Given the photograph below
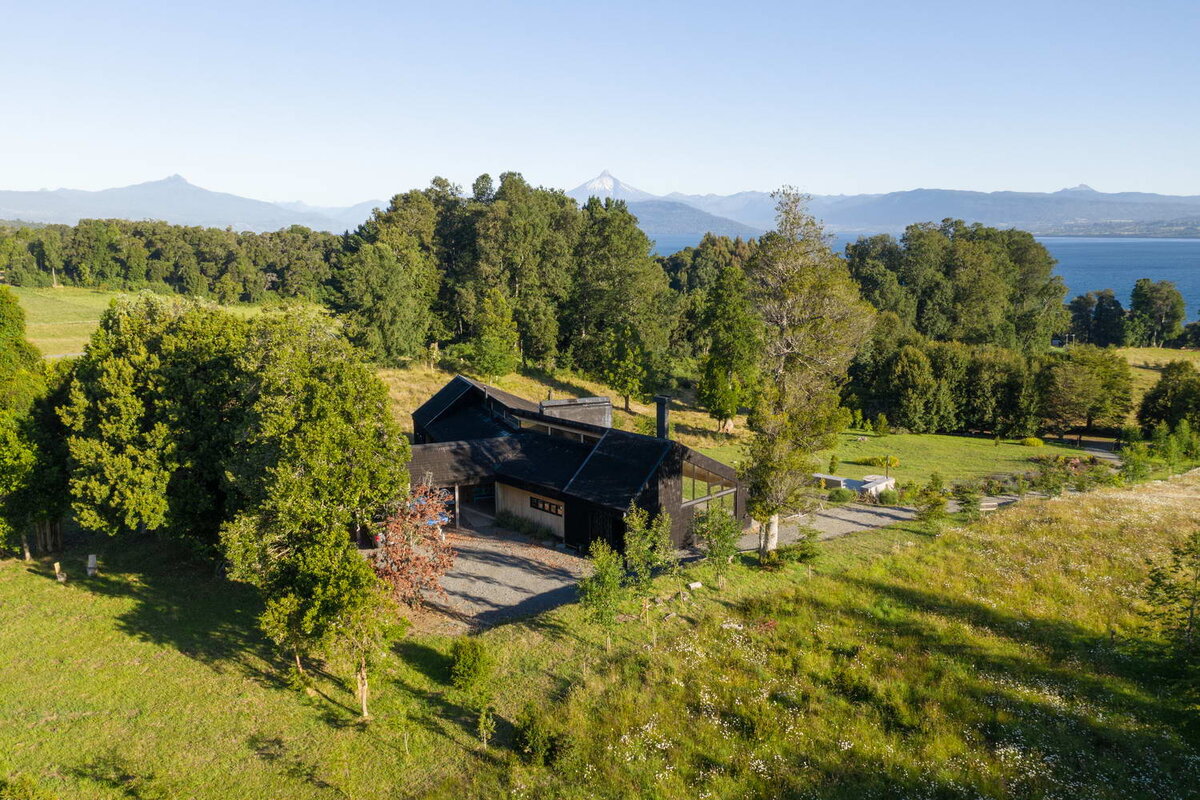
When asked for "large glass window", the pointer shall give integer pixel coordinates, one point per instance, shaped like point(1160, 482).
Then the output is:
point(700, 484)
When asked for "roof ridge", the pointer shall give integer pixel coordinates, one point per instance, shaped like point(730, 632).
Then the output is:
point(595, 447)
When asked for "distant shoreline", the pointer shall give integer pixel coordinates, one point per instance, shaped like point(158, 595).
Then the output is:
point(1184, 237)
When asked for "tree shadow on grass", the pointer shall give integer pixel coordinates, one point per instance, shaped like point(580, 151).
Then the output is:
point(114, 772)
point(1092, 665)
point(1066, 695)
point(556, 382)
point(176, 600)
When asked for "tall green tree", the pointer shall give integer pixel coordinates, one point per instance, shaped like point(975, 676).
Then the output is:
point(150, 414)
point(813, 322)
point(386, 292)
point(493, 351)
point(915, 387)
point(618, 286)
point(1157, 312)
point(320, 460)
point(731, 366)
point(1174, 397)
point(623, 363)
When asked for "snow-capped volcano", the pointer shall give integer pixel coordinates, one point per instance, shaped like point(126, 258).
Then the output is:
point(607, 185)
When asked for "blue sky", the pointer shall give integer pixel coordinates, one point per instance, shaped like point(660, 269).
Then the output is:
point(333, 103)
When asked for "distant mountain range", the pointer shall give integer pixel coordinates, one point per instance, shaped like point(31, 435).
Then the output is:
point(1080, 210)
point(171, 199)
point(1073, 210)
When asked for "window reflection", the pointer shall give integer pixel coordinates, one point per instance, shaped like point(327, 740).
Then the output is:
point(702, 486)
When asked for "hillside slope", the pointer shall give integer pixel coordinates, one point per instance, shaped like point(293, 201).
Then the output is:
point(995, 661)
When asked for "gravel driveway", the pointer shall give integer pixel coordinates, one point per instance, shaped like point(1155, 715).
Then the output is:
point(498, 576)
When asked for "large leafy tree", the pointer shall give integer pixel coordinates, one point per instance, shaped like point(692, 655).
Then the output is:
point(731, 365)
point(320, 456)
point(1174, 397)
point(151, 413)
point(813, 322)
point(623, 360)
point(20, 361)
point(493, 348)
point(915, 388)
point(385, 293)
point(963, 282)
point(1089, 385)
point(1156, 312)
point(618, 287)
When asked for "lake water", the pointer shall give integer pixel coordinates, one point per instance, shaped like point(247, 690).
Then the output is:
point(1088, 264)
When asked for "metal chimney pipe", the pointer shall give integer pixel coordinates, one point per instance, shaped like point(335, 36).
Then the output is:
point(664, 416)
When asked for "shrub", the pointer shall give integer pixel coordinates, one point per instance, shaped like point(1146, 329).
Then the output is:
point(525, 527)
point(889, 497)
point(884, 461)
point(994, 486)
point(881, 425)
point(471, 663)
point(535, 738)
point(1031, 441)
point(798, 552)
point(841, 495)
point(968, 498)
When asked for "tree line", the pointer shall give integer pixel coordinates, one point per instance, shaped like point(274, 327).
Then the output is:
point(928, 386)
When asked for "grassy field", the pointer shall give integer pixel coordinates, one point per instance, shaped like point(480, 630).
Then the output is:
point(1147, 363)
point(60, 321)
point(999, 660)
point(920, 454)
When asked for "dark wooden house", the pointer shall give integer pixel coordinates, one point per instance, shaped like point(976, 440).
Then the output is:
point(561, 464)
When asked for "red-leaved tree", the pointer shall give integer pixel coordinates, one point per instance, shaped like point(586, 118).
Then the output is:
point(413, 552)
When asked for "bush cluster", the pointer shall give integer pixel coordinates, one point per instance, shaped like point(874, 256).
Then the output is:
point(889, 497)
point(1031, 441)
point(800, 551)
point(537, 739)
point(841, 495)
point(884, 461)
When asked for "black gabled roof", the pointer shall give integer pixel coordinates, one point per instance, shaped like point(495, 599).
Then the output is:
point(508, 399)
point(437, 405)
point(544, 460)
point(531, 458)
point(616, 471)
point(466, 422)
point(460, 462)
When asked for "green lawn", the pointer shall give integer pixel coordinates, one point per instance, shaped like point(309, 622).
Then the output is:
point(60, 321)
point(997, 661)
point(920, 454)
